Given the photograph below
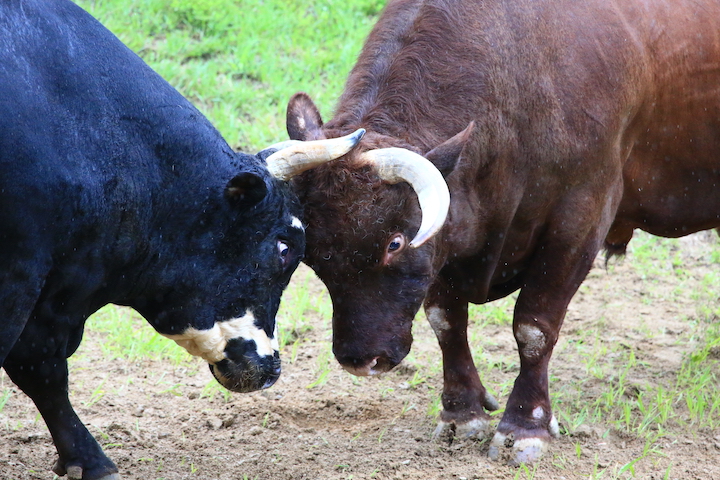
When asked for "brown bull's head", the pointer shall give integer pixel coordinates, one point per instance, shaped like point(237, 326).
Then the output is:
point(372, 219)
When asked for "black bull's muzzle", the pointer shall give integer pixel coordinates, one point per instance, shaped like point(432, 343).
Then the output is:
point(247, 373)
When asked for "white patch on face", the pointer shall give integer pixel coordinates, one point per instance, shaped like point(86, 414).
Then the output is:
point(274, 344)
point(438, 320)
point(210, 344)
point(538, 413)
point(297, 223)
point(532, 338)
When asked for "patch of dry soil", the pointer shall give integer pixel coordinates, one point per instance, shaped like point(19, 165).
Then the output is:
point(156, 420)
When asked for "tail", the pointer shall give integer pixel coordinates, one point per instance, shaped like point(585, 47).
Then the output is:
point(614, 250)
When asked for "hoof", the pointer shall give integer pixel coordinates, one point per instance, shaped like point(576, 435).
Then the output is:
point(441, 429)
point(475, 428)
point(75, 472)
point(554, 427)
point(523, 451)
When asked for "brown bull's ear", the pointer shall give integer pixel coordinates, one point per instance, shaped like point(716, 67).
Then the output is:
point(303, 118)
point(446, 155)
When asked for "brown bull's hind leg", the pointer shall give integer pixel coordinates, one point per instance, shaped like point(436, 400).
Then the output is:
point(464, 397)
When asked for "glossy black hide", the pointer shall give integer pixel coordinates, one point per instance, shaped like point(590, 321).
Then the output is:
point(115, 189)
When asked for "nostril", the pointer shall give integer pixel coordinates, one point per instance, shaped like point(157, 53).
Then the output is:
point(382, 364)
point(362, 368)
point(269, 382)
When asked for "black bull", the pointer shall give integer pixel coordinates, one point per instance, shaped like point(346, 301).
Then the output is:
point(115, 189)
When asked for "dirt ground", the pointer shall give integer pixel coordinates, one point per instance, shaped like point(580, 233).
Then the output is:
point(158, 421)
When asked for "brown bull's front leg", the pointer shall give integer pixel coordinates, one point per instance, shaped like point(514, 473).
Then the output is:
point(528, 423)
point(464, 397)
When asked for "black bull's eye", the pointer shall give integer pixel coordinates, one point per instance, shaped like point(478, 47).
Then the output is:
point(283, 250)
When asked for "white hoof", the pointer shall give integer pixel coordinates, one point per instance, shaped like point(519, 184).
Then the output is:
point(496, 444)
point(475, 428)
point(441, 428)
point(525, 451)
point(554, 428)
point(74, 472)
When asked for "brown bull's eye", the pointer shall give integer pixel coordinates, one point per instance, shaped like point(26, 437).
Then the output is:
point(395, 245)
point(397, 242)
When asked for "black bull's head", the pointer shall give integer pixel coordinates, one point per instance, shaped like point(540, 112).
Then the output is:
point(242, 346)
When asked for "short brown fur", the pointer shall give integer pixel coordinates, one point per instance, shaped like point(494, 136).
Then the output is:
point(590, 118)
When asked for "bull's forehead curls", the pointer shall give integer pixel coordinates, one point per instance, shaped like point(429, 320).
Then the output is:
point(395, 165)
point(210, 344)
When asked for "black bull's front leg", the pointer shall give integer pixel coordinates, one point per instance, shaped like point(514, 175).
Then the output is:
point(528, 422)
point(45, 381)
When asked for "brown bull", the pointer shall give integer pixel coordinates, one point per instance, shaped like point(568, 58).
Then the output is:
point(556, 125)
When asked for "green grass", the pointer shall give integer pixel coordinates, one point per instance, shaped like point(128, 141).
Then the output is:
point(240, 61)
point(301, 311)
point(4, 397)
point(126, 335)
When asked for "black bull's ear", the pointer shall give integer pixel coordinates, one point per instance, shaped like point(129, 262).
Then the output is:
point(246, 190)
point(446, 155)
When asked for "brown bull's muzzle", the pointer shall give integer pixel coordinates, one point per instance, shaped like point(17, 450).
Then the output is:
point(362, 368)
point(365, 361)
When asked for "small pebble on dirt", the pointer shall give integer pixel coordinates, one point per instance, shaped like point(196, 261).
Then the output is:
point(214, 423)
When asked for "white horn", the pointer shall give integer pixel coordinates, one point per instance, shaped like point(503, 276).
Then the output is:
point(295, 157)
point(396, 165)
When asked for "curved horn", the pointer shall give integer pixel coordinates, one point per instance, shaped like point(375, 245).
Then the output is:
point(396, 165)
point(296, 157)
